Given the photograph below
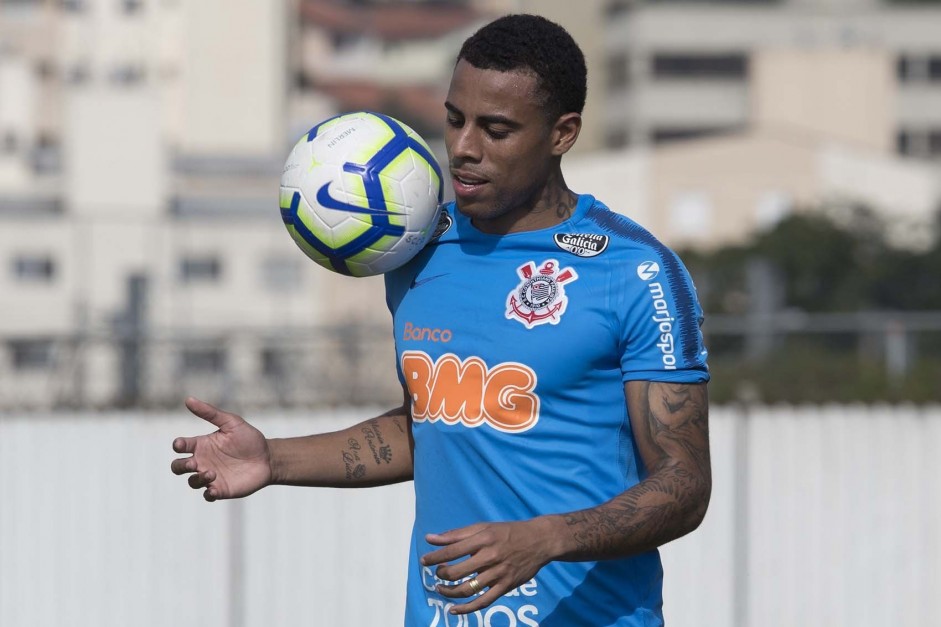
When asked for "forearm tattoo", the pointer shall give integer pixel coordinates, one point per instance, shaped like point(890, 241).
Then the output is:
point(381, 451)
point(355, 469)
point(373, 445)
point(673, 435)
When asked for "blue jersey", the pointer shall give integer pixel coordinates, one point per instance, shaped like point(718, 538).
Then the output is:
point(515, 350)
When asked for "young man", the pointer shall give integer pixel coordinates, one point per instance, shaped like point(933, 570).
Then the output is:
point(556, 425)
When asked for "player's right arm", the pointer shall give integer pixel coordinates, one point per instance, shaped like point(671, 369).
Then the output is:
point(238, 460)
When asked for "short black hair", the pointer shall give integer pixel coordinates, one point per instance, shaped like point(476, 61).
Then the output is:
point(532, 43)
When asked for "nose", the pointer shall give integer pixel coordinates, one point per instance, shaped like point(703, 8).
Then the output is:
point(463, 144)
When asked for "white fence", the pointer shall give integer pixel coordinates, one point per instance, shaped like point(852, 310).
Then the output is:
point(820, 516)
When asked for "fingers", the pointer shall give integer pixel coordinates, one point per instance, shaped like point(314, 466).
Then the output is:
point(200, 480)
point(183, 465)
point(480, 602)
point(211, 413)
point(453, 543)
point(184, 445)
point(455, 535)
point(478, 587)
point(470, 587)
point(197, 480)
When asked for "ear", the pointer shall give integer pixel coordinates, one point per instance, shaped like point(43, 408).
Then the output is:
point(564, 132)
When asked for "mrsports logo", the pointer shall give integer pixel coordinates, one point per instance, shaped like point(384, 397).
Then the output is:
point(662, 317)
point(648, 270)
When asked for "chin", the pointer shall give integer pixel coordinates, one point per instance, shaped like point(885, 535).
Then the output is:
point(478, 209)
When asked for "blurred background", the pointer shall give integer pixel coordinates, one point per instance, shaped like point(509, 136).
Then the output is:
point(790, 150)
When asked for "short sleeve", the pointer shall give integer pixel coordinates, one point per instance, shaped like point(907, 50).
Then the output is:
point(660, 321)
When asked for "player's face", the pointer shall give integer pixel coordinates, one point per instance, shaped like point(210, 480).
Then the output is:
point(502, 150)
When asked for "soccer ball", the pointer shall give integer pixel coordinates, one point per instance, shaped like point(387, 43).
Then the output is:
point(361, 193)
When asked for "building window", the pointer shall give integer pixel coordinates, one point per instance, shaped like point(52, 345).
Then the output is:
point(45, 69)
point(615, 8)
point(131, 7)
point(677, 133)
point(734, 1)
point(10, 142)
point(619, 71)
point(31, 354)
point(274, 362)
point(129, 74)
point(47, 155)
point(78, 74)
point(200, 270)
point(923, 143)
point(34, 269)
point(280, 274)
point(700, 66)
point(203, 360)
point(617, 138)
point(912, 68)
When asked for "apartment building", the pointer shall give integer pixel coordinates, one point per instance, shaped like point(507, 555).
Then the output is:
point(141, 252)
point(685, 69)
point(142, 146)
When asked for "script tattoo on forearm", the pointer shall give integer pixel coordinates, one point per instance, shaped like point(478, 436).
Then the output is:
point(355, 469)
point(381, 451)
point(672, 499)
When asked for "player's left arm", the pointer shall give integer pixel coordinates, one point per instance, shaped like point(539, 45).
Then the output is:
point(670, 426)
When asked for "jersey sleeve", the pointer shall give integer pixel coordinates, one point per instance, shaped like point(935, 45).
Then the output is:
point(659, 321)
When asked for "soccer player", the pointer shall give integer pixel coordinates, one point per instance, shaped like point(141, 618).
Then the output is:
point(555, 414)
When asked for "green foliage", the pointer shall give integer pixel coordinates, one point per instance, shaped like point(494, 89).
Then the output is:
point(824, 261)
point(806, 371)
point(827, 263)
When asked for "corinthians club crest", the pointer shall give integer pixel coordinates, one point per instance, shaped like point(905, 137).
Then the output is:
point(540, 296)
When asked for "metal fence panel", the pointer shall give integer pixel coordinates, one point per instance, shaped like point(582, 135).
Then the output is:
point(821, 516)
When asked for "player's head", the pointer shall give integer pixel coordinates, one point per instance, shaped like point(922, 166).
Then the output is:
point(514, 108)
point(530, 43)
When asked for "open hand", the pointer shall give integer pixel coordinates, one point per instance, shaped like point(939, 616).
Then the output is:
point(229, 463)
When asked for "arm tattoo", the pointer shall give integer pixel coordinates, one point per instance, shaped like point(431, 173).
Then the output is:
point(381, 451)
point(671, 431)
point(355, 469)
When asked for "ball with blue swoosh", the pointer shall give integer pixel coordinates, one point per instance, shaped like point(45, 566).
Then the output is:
point(361, 193)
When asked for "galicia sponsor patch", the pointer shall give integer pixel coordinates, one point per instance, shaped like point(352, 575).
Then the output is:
point(539, 298)
point(444, 223)
point(582, 244)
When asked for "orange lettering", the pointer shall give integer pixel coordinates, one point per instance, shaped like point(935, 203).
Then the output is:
point(469, 392)
point(458, 390)
point(509, 400)
point(417, 368)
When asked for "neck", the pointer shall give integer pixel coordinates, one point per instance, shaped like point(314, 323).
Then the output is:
point(553, 203)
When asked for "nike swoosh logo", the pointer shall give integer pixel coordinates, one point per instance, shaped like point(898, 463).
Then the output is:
point(416, 282)
point(326, 200)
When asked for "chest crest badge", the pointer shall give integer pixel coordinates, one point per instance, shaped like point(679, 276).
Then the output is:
point(539, 298)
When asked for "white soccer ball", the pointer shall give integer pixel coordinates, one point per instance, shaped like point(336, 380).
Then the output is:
point(360, 193)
